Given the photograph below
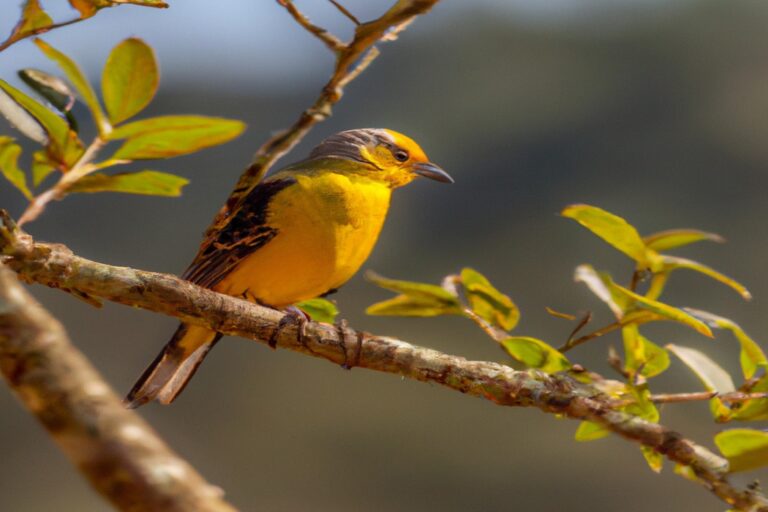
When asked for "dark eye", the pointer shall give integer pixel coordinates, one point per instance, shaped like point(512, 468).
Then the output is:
point(401, 156)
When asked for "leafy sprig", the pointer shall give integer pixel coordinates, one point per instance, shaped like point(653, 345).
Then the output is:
point(129, 82)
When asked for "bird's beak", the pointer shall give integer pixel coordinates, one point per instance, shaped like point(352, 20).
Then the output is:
point(431, 171)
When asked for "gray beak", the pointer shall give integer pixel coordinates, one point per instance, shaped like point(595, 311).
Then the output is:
point(431, 171)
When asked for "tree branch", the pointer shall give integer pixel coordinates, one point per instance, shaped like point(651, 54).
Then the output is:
point(56, 266)
point(122, 457)
point(366, 36)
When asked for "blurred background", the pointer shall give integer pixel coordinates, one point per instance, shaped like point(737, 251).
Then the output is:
point(655, 110)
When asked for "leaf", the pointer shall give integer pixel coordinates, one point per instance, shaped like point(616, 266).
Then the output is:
point(590, 431)
point(666, 311)
point(41, 167)
point(744, 448)
point(488, 302)
point(50, 87)
point(129, 80)
point(79, 81)
point(9, 156)
point(673, 262)
point(535, 353)
point(708, 371)
point(643, 354)
point(319, 309)
point(601, 285)
point(33, 18)
point(88, 8)
point(752, 356)
point(417, 299)
point(674, 238)
point(654, 459)
point(611, 228)
point(559, 314)
point(22, 120)
point(63, 142)
point(152, 183)
point(169, 136)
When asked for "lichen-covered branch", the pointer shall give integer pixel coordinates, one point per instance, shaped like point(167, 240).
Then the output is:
point(122, 457)
point(58, 267)
point(351, 59)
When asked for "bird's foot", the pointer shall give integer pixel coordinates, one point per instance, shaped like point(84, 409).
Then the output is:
point(351, 342)
point(293, 315)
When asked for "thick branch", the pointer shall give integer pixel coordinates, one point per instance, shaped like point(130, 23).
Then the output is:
point(359, 49)
point(57, 266)
point(113, 447)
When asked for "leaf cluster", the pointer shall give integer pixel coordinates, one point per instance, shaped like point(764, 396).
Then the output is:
point(471, 295)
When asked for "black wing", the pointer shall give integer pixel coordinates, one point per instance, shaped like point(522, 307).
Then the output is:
point(245, 233)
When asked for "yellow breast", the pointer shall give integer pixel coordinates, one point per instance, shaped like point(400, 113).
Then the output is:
point(327, 224)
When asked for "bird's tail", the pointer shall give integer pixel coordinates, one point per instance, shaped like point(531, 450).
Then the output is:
point(170, 372)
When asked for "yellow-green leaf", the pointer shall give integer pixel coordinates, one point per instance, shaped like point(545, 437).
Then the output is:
point(129, 80)
point(78, 80)
point(404, 305)
point(33, 18)
point(488, 302)
point(9, 157)
point(642, 354)
point(673, 262)
point(642, 407)
point(535, 353)
point(151, 183)
point(319, 309)
point(654, 459)
point(63, 142)
point(666, 311)
point(744, 448)
point(674, 238)
point(711, 374)
point(601, 284)
point(88, 8)
point(41, 167)
point(590, 431)
point(169, 136)
point(22, 120)
point(752, 356)
point(414, 289)
point(611, 228)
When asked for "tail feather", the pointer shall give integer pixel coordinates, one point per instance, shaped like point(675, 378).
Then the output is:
point(167, 376)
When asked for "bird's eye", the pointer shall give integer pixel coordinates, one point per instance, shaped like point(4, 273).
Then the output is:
point(401, 156)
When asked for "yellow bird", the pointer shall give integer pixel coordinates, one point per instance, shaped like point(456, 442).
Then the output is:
point(300, 234)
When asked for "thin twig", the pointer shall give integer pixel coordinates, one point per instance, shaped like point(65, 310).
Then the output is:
point(571, 343)
point(331, 41)
point(57, 266)
point(734, 396)
point(119, 453)
point(345, 12)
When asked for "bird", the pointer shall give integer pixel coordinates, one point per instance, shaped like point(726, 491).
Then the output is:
point(300, 233)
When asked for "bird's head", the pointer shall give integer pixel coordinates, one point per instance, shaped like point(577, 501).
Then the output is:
point(381, 154)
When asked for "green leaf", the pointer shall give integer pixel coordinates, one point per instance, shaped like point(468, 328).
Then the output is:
point(666, 311)
point(9, 156)
point(535, 353)
point(590, 431)
point(414, 289)
point(169, 136)
point(752, 356)
point(22, 120)
point(674, 238)
point(63, 142)
point(711, 374)
point(79, 81)
point(33, 18)
point(417, 299)
point(50, 87)
point(151, 183)
point(755, 409)
point(643, 354)
point(654, 459)
point(673, 262)
point(319, 309)
point(129, 80)
point(488, 302)
point(744, 448)
point(611, 228)
point(601, 284)
point(642, 407)
point(41, 167)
